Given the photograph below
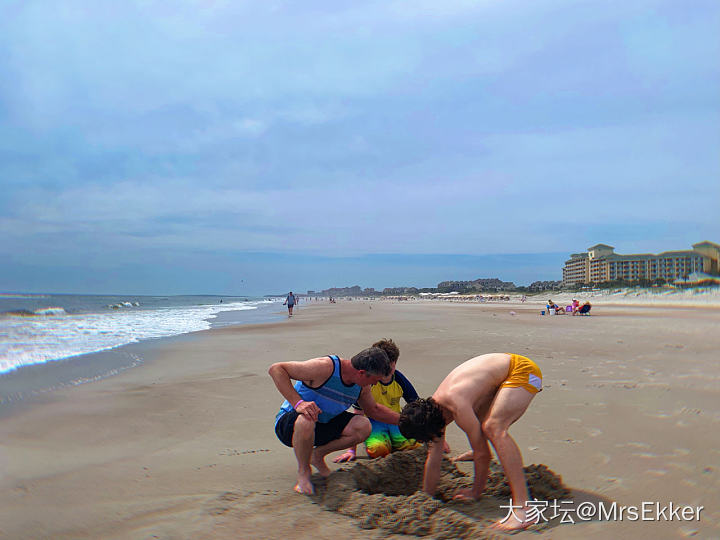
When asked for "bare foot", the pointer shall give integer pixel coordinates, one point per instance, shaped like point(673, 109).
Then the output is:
point(304, 486)
point(319, 464)
point(467, 456)
point(465, 494)
point(515, 522)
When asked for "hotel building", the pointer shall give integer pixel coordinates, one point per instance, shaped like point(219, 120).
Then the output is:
point(600, 263)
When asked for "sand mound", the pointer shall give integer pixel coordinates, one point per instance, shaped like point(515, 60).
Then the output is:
point(384, 493)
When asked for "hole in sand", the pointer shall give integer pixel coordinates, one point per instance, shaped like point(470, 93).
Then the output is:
point(385, 494)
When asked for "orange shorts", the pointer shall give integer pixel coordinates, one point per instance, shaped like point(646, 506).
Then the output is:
point(523, 373)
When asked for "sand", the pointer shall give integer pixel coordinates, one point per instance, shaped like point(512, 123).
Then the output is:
point(183, 446)
point(386, 494)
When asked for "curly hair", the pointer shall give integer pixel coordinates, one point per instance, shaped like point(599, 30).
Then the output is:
point(388, 345)
point(422, 420)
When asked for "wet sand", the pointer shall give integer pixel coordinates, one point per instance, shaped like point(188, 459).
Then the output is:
point(183, 446)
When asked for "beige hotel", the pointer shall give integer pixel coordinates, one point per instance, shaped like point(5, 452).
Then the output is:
point(601, 263)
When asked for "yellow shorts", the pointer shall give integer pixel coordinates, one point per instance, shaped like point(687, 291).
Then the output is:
point(523, 373)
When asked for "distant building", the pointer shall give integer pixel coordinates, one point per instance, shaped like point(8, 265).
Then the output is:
point(481, 284)
point(601, 264)
point(544, 286)
point(400, 291)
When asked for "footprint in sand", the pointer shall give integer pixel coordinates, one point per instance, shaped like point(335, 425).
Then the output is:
point(684, 467)
point(635, 444)
point(593, 432)
point(656, 472)
point(604, 459)
point(613, 481)
point(645, 455)
point(688, 410)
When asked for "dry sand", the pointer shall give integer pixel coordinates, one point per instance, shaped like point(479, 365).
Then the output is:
point(183, 446)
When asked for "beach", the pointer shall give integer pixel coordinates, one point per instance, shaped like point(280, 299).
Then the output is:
point(182, 446)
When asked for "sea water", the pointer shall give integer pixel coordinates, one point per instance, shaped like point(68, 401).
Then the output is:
point(36, 329)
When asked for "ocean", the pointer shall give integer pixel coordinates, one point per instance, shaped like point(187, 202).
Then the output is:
point(47, 333)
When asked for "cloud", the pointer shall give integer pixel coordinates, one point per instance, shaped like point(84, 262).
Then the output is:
point(150, 128)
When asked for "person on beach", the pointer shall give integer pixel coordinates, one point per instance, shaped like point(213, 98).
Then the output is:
point(484, 396)
point(313, 420)
point(290, 303)
point(584, 309)
point(385, 438)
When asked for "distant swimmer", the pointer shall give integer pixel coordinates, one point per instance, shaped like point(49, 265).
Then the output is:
point(290, 302)
point(484, 397)
point(313, 419)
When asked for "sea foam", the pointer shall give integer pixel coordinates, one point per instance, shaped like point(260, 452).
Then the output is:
point(49, 334)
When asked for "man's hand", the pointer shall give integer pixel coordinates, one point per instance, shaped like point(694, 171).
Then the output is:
point(309, 409)
point(446, 447)
point(349, 455)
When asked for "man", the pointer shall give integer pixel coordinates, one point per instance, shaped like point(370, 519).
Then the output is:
point(314, 413)
point(290, 303)
point(484, 396)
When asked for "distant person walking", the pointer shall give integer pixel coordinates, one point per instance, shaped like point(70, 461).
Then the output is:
point(290, 303)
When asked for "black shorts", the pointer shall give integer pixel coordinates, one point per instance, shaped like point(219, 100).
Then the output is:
point(324, 432)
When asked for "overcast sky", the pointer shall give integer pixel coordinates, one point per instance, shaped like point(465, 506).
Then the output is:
point(246, 147)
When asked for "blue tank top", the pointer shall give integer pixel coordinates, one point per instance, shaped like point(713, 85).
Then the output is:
point(333, 396)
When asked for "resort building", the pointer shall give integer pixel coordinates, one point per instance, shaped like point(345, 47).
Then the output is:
point(600, 264)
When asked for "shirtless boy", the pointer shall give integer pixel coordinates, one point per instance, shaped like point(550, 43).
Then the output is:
point(484, 396)
point(313, 420)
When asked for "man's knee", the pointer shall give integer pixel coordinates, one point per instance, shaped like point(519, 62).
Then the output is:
point(304, 427)
point(359, 427)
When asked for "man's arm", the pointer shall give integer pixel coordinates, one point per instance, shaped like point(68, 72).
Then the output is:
point(431, 477)
point(466, 420)
point(376, 411)
point(311, 372)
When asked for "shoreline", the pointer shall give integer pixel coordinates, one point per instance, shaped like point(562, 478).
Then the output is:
point(183, 445)
point(25, 383)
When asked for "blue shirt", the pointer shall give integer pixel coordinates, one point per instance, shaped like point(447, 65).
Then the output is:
point(333, 396)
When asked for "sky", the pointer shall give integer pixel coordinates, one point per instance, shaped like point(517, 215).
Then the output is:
point(243, 147)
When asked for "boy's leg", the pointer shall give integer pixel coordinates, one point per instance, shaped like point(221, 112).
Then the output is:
point(398, 441)
point(508, 405)
point(378, 444)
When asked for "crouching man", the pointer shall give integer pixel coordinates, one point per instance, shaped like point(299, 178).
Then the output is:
point(484, 396)
point(313, 420)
